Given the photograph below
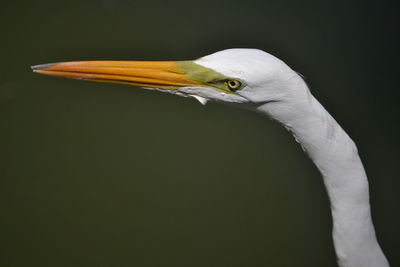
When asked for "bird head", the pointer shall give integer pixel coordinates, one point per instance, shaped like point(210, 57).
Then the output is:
point(235, 76)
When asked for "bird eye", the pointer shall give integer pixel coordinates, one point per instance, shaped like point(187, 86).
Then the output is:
point(233, 84)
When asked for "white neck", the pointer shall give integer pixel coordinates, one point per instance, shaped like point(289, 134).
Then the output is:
point(336, 157)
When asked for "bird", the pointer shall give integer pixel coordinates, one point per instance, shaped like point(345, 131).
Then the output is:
point(256, 80)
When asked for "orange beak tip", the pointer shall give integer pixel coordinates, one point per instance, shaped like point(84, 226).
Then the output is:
point(42, 66)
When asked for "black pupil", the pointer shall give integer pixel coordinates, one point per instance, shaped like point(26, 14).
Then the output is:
point(233, 84)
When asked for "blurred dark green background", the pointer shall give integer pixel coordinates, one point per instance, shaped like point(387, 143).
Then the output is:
point(111, 175)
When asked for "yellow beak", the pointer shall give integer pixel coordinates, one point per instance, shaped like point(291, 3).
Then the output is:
point(152, 74)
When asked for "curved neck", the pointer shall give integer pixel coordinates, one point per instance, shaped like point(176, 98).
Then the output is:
point(336, 157)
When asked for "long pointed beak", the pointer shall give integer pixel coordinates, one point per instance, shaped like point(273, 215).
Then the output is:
point(153, 74)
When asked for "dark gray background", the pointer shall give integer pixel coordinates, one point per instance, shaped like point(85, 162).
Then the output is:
point(112, 175)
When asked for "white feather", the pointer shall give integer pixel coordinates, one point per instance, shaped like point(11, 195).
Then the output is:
point(277, 91)
point(201, 99)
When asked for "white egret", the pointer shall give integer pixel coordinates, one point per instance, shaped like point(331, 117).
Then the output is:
point(258, 81)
